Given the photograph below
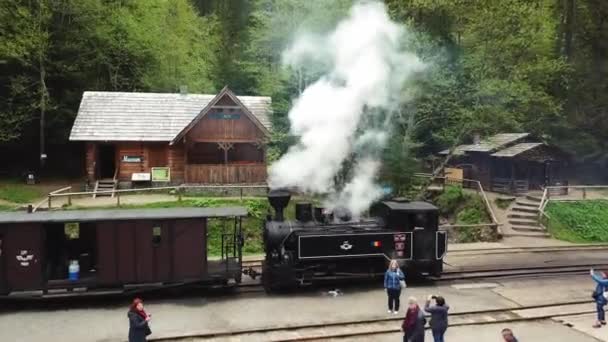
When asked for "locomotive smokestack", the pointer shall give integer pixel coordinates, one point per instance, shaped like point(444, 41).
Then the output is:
point(279, 199)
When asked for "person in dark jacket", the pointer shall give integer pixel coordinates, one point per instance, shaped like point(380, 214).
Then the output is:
point(439, 316)
point(598, 296)
point(138, 322)
point(507, 335)
point(392, 283)
point(413, 324)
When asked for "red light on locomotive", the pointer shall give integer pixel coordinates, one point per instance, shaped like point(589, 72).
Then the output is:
point(376, 243)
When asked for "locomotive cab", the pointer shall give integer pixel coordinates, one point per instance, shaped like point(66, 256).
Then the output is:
point(420, 221)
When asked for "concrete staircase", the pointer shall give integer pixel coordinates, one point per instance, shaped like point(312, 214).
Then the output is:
point(522, 217)
point(104, 185)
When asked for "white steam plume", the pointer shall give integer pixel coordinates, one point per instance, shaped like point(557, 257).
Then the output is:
point(368, 67)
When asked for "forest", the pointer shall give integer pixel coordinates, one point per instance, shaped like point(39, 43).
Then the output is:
point(538, 66)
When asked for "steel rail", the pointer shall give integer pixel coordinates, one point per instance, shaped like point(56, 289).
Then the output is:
point(290, 330)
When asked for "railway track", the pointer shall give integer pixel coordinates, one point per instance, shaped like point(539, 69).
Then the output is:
point(257, 262)
point(387, 325)
point(472, 274)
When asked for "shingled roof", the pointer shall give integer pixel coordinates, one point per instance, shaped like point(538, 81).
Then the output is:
point(132, 116)
point(516, 149)
point(489, 144)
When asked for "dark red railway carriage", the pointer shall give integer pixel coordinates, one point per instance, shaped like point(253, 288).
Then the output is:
point(115, 249)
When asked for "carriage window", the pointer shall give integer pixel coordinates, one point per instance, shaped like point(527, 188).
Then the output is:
point(71, 231)
point(156, 235)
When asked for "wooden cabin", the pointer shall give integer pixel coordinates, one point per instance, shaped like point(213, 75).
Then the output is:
point(115, 249)
point(511, 163)
point(174, 138)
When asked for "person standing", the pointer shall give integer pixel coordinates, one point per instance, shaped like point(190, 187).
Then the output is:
point(599, 297)
point(138, 322)
point(439, 316)
point(413, 324)
point(393, 278)
point(507, 335)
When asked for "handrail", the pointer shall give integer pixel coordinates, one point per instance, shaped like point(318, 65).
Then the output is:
point(177, 187)
point(479, 187)
point(48, 199)
point(60, 190)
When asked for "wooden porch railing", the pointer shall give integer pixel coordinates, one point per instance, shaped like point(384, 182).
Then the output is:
point(225, 174)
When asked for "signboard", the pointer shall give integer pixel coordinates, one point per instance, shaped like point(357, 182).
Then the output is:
point(161, 174)
point(132, 159)
point(140, 177)
point(225, 116)
point(454, 174)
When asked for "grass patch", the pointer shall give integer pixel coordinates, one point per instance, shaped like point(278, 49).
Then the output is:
point(14, 192)
point(581, 221)
point(5, 207)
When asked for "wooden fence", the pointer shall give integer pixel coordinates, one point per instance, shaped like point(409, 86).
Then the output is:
point(179, 192)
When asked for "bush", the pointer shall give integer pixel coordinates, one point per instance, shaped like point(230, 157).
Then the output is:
point(451, 198)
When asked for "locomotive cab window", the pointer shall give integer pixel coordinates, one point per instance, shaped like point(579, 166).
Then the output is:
point(418, 221)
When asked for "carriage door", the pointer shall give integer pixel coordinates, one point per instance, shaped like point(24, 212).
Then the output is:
point(22, 258)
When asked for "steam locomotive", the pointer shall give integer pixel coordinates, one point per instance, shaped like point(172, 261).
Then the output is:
point(321, 245)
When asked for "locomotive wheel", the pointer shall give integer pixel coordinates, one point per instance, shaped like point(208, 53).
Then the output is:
point(437, 268)
point(267, 279)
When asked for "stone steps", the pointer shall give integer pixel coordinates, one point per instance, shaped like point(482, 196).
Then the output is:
point(523, 215)
point(525, 210)
point(523, 222)
point(520, 228)
point(523, 203)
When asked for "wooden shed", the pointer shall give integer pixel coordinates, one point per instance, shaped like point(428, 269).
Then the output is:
point(510, 163)
point(173, 138)
point(115, 248)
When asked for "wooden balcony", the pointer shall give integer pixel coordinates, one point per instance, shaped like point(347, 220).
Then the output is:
point(226, 174)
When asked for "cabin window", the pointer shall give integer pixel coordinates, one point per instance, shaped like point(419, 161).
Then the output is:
point(156, 235)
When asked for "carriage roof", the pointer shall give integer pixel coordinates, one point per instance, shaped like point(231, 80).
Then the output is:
point(121, 214)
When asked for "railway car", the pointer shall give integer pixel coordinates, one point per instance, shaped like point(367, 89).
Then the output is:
point(115, 250)
point(320, 245)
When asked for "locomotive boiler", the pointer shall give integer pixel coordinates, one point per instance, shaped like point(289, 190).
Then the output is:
point(319, 244)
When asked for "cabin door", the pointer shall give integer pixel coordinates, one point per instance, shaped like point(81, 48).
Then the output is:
point(106, 161)
point(22, 257)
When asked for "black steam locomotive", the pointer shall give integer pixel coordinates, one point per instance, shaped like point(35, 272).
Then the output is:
point(321, 245)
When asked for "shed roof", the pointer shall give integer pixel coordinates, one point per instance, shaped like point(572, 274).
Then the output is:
point(489, 144)
point(61, 216)
point(514, 150)
point(132, 116)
